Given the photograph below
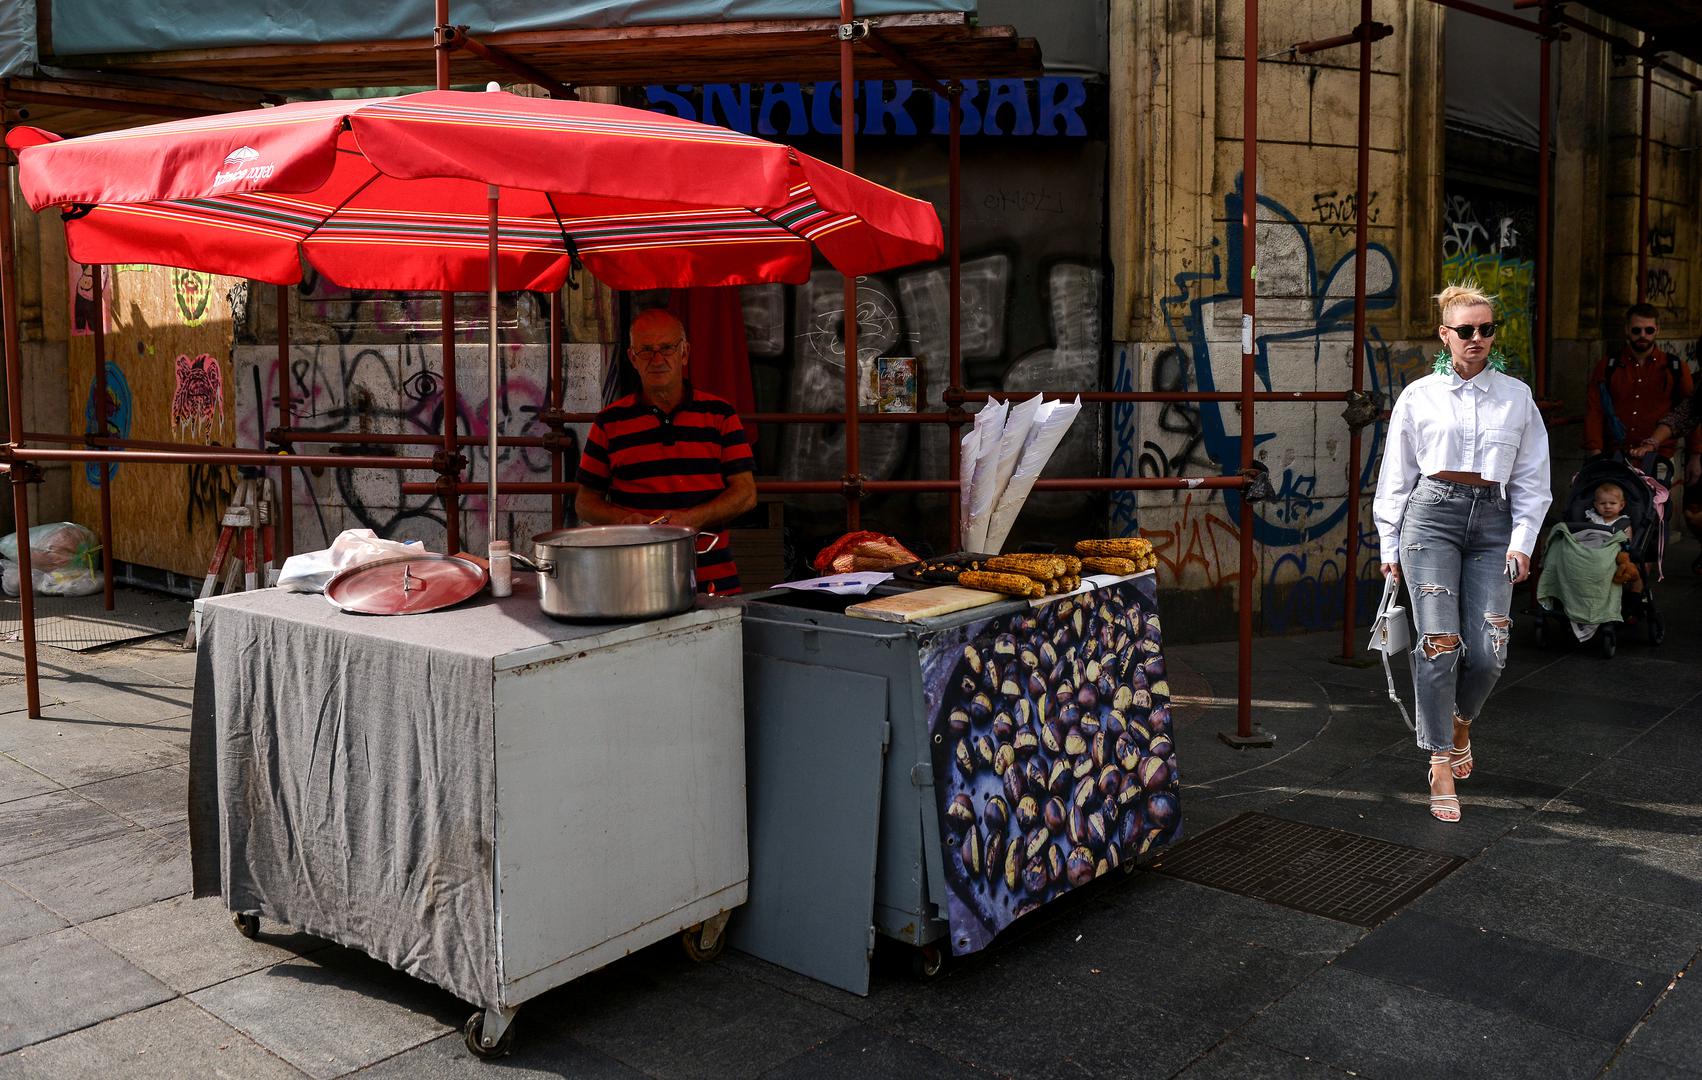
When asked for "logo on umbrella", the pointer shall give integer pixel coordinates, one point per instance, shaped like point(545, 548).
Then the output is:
point(240, 169)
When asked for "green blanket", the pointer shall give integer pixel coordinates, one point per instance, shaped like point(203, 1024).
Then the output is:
point(1580, 578)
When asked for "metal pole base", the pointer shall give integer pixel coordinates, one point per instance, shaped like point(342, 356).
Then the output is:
point(1353, 661)
point(1260, 738)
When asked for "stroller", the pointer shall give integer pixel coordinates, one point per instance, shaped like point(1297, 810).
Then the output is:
point(1559, 620)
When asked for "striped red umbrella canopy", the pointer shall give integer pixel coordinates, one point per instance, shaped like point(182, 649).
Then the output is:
point(466, 191)
point(392, 193)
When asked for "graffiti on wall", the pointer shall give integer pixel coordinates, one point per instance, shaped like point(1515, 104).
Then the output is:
point(118, 413)
point(1489, 237)
point(198, 399)
point(398, 390)
point(1302, 338)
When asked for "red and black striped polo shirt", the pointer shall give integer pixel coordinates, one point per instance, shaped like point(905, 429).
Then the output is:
point(642, 458)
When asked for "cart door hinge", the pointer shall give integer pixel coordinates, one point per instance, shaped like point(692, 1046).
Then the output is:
point(855, 30)
point(886, 736)
point(922, 775)
point(871, 953)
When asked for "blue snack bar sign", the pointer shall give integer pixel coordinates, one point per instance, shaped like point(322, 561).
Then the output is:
point(1048, 107)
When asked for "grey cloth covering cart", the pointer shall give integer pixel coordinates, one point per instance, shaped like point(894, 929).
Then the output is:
point(483, 797)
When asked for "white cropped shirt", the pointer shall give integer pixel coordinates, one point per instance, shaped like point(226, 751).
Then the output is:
point(1488, 425)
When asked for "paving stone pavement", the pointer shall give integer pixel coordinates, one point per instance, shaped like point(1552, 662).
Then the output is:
point(1566, 945)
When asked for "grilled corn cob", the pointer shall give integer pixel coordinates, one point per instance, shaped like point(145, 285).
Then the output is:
point(1038, 567)
point(1131, 547)
point(1109, 564)
point(1009, 584)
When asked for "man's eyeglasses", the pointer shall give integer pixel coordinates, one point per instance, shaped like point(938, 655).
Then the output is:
point(1466, 332)
point(1639, 331)
point(657, 350)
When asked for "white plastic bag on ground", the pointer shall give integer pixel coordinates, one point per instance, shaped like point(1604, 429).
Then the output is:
point(65, 560)
point(311, 571)
point(71, 580)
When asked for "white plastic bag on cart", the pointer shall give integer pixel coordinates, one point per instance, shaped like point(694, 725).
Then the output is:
point(311, 571)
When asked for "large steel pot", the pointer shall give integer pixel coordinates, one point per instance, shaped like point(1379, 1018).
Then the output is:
point(617, 571)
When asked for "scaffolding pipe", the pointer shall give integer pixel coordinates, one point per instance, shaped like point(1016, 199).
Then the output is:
point(15, 431)
point(1545, 211)
point(286, 409)
point(555, 401)
point(254, 458)
point(446, 300)
point(1643, 187)
point(1244, 735)
point(102, 422)
point(852, 479)
point(954, 302)
point(832, 487)
point(1356, 361)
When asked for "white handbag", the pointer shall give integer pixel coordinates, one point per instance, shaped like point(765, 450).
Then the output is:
point(1391, 633)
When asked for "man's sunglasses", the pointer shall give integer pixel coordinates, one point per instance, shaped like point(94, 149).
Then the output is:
point(1483, 330)
point(1639, 331)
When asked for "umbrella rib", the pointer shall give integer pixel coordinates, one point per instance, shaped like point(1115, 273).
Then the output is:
point(346, 201)
point(567, 240)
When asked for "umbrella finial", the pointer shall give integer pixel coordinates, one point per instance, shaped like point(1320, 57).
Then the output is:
point(492, 87)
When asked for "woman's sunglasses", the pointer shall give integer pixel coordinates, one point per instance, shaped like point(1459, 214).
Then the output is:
point(1483, 330)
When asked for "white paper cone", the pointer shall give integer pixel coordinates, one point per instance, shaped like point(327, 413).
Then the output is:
point(979, 500)
point(1046, 433)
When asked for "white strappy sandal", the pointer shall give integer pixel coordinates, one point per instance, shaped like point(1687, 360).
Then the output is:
point(1444, 808)
point(1461, 758)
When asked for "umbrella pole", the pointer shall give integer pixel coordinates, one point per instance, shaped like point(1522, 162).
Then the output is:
point(490, 471)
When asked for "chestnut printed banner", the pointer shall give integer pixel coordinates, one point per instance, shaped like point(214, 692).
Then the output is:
point(1052, 750)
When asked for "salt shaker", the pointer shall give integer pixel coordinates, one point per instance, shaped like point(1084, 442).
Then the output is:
point(502, 569)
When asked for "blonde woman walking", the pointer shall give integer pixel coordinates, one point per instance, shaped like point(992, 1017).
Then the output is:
point(1460, 503)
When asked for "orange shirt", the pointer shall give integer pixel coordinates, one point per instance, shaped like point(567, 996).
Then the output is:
point(1642, 393)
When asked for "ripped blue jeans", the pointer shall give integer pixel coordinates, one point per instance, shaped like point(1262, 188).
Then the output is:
point(1454, 541)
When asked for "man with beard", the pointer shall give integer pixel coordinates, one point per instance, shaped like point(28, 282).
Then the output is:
point(1629, 392)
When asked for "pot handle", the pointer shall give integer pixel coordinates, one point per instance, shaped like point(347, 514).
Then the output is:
point(537, 566)
point(714, 538)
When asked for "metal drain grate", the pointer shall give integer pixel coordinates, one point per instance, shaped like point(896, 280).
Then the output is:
point(1339, 875)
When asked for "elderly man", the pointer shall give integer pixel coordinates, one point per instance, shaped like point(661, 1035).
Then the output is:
point(669, 451)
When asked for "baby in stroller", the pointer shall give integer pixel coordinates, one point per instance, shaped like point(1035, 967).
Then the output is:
point(1601, 557)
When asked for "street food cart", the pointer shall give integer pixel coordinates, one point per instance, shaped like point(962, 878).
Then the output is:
point(933, 781)
point(483, 797)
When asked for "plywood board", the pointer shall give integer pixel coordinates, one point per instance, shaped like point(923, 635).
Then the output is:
point(168, 364)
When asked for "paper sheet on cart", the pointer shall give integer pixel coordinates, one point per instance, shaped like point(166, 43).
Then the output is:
point(1051, 421)
point(860, 583)
point(979, 495)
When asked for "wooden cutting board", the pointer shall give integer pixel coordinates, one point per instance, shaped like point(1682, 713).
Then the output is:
point(924, 603)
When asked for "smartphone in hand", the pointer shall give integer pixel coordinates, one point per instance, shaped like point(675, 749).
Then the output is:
point(1512, 570)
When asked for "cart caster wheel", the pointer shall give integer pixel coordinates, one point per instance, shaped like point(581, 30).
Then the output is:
point(471, 1030)
point(696, 951)
point(1609, 642)
point(926, 961)
point(246, 925)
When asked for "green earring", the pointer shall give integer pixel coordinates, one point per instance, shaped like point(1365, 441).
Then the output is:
point(1497, 360)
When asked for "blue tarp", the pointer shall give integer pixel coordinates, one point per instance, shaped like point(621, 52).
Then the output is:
point(17, 37)
point(81, 27)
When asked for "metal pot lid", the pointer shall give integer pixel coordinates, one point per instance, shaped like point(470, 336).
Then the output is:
point(405, 584)
point(594, 536)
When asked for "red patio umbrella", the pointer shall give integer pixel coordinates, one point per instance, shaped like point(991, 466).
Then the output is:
point(450, 190)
